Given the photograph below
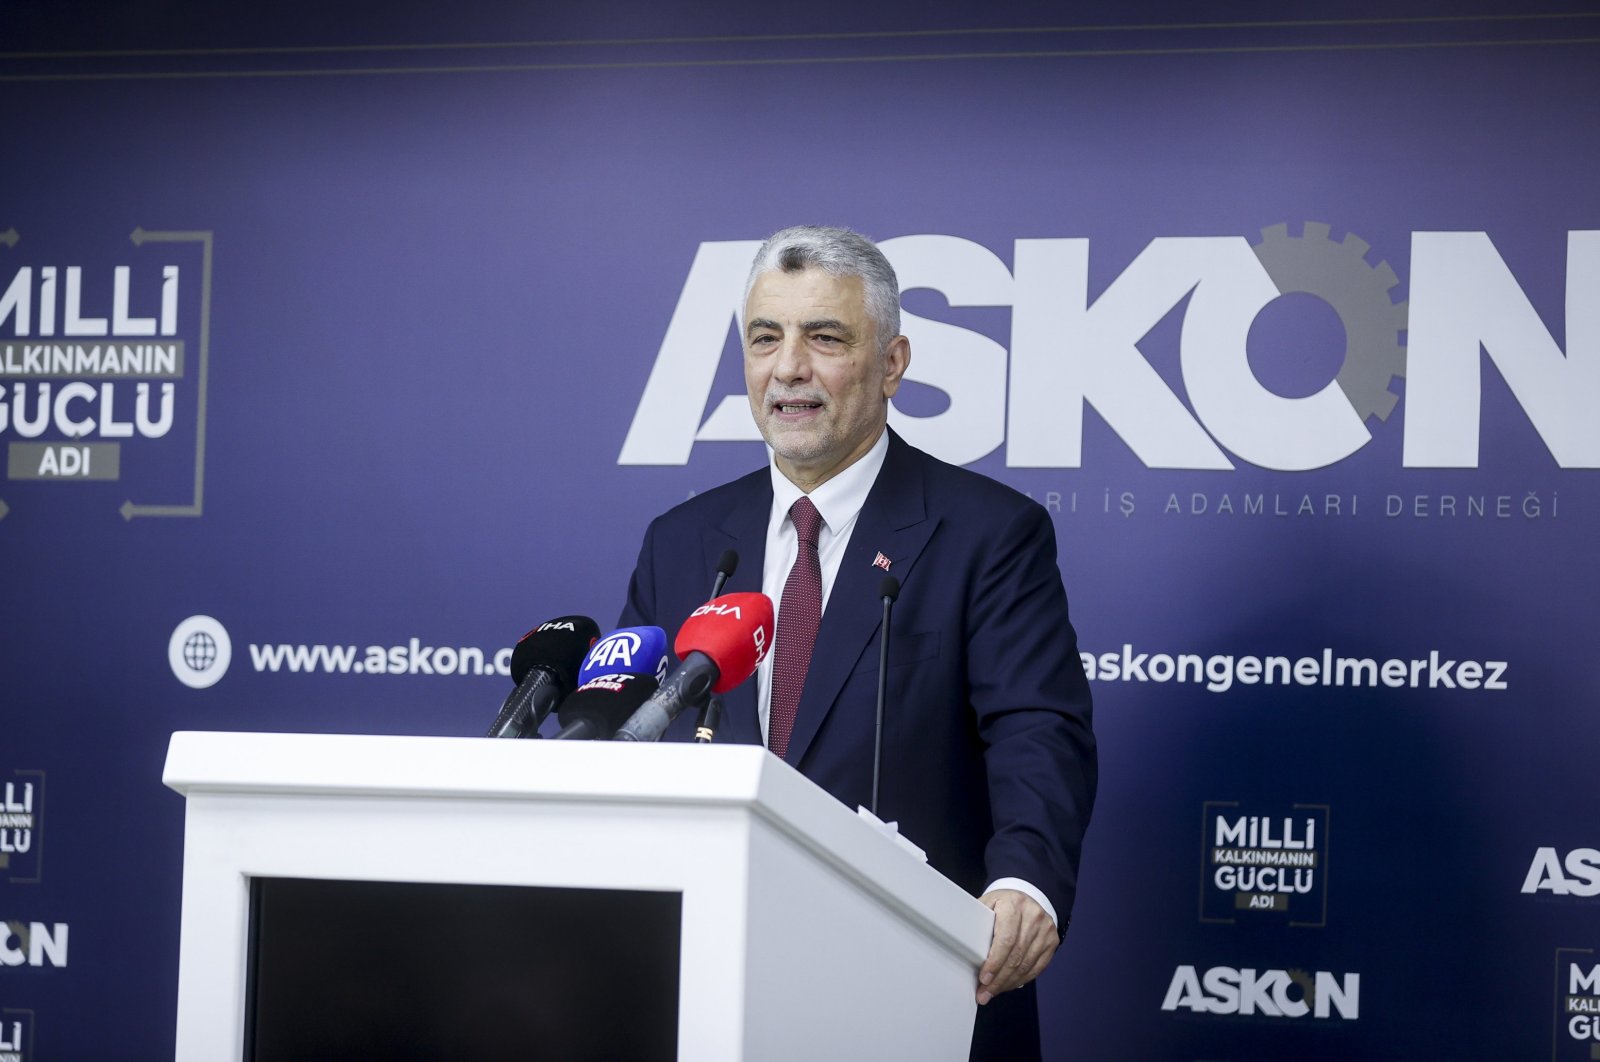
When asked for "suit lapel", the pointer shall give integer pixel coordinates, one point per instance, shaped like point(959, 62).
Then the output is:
point(894, 522)
point(743, 529)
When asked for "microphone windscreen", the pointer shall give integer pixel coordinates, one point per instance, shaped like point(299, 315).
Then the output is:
point(628, 651)
point(606, 701)
point(727, 563)
point(734, 630)
point(557, 645)
point(889, 589)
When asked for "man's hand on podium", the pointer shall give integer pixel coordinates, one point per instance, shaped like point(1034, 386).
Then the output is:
point(1024, 942)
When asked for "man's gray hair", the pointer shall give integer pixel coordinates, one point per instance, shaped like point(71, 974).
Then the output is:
point(839, 253)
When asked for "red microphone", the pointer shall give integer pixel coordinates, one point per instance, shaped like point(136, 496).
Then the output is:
point(734, 630)
point(720, 644)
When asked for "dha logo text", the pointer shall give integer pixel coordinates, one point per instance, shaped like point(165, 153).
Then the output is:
point(33, 944)
point(1582, 876)
point(1067, 353)
point(1225, 990)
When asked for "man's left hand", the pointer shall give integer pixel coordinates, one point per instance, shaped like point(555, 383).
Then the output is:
point(1024, 942)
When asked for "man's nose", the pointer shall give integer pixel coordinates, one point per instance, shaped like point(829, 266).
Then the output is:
point(794, 361)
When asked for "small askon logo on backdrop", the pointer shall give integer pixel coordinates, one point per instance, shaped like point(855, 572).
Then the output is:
point(1577, 1005)
point(1264, 863)
point(1577, 873)
point(33, 943)
point(199, 652)
point(1265, 993)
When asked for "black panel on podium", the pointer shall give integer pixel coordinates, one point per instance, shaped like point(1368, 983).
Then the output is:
point(382, 969)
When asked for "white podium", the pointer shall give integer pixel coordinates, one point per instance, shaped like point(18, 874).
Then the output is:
point(805, 932)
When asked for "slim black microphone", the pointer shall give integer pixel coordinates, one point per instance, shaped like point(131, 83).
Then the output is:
point(599, 706)
point(888, 590)
point(727, 564)
point(705, 728)
point(710, 718)
point(544, 665)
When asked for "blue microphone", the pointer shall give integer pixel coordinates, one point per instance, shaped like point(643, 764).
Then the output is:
point(627, 651)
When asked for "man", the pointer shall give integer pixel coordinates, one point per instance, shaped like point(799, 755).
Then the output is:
point(988, 756)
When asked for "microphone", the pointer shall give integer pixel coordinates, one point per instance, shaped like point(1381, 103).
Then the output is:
point(544, 665)
point(710, 718)
point(627, 651)
point(726, 565)
point(720, 645)
point(705, 728)
point(888, 591)
point(602, 704)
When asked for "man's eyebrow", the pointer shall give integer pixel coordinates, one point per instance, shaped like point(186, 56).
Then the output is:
point(823, 324)
point(828, 324)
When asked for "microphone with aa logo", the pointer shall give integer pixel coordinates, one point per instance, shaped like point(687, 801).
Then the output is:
point(627, 651)
point(544, 665)
point(720, 645)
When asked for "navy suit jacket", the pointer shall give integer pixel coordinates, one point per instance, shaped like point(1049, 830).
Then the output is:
point(988, 755)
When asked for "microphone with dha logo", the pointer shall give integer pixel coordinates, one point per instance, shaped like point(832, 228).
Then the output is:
point(544, 665)
point(720, 645)
point(627, 651)
point(599, 706)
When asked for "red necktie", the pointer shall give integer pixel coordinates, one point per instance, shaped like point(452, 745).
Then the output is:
point(799, 616)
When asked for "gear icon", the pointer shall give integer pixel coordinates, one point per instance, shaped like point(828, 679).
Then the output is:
point(1338, 273)
point(1308, 987)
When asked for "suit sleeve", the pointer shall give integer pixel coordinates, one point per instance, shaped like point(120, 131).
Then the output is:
point(1034, 715)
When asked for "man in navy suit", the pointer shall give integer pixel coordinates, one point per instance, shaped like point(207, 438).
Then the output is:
point(988, 755)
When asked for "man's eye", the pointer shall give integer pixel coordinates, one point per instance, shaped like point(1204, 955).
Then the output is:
point(826, 339)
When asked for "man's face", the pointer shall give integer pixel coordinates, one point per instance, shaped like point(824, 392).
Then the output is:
point(818, 387)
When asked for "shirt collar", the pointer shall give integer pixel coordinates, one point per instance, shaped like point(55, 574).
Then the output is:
point(843, 495)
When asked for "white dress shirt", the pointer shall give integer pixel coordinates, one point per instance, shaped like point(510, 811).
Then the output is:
point(839, 501)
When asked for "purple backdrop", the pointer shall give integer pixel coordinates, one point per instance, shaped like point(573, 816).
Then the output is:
point(419, 294)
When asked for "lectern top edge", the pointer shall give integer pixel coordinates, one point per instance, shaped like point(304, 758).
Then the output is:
point(213, 764)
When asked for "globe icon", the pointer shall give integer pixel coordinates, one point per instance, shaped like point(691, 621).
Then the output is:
point(199, 650)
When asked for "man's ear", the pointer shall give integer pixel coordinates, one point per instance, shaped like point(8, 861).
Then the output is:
point(895, 362)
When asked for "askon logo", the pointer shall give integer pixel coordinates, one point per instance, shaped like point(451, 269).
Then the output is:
point(1069, 353)
point(1576, 1032)
point(199, 652)
point(1264, 864)
point(1577, 873)
point(103, 367)
point(1265, 993)
point(16, 1034)
point(22, 827)
point(33, 943)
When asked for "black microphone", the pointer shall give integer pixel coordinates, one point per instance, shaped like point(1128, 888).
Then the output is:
point(544, 665)
point(888, 590)
point(710, 718)
point(726, 565)
point(705, 728)
point(602, 704)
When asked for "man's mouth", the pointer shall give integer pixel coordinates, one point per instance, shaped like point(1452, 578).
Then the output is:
point(796, 407)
